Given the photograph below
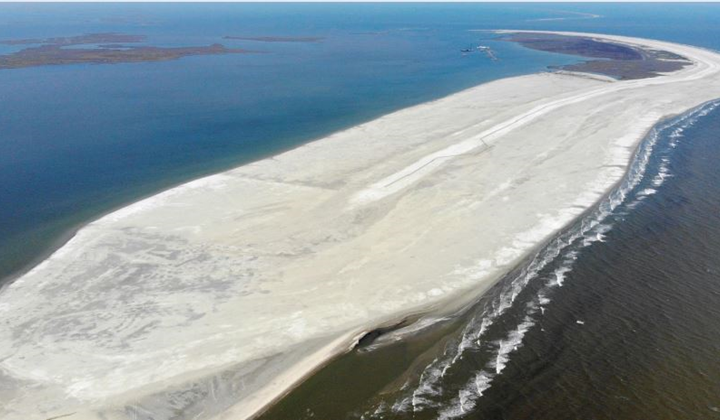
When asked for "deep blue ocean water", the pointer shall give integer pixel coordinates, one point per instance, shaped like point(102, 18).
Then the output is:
point(78, 141)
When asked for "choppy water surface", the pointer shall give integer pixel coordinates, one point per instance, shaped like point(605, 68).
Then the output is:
point(617, 318)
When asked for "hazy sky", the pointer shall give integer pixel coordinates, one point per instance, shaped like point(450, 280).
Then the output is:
point(382, 1)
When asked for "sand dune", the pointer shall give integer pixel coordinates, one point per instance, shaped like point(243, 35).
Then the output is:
point(211, 299)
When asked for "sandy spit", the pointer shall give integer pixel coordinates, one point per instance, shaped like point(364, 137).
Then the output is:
point(212, 299)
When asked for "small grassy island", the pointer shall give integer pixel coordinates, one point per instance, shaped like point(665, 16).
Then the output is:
point(619, 61)
point(107, 48)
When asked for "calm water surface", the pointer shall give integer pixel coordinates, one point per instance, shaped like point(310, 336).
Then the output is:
point(80, 140)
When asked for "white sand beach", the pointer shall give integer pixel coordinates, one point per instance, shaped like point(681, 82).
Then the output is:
point(214, 298)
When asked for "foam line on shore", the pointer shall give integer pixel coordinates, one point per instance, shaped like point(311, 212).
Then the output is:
point(584, 233)
point(622, 154)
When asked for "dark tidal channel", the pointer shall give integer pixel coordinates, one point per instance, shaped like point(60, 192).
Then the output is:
point(617, 318)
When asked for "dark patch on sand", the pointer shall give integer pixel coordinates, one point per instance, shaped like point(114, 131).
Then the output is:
point(61, 416)
point(373, 335)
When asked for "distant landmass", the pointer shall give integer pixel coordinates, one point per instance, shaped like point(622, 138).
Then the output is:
point(611, 59)
point(112, 50)
point(106, 37)
point(276, 38)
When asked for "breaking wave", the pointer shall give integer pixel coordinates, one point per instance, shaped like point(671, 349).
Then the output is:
point(445, 386)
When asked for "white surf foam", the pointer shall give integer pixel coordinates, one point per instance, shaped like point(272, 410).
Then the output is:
point(589, 230)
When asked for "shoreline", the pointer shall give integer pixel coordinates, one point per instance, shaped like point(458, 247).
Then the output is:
point(636, 173)
point(70, 234)
point(449, 300)
point(324, 358)
point(252, 412)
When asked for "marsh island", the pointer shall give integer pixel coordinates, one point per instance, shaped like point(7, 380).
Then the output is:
point(100, 48)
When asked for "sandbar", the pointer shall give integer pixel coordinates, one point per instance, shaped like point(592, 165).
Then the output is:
point(210, 300)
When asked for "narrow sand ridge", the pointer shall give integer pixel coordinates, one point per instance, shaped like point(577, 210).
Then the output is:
point(211, 299)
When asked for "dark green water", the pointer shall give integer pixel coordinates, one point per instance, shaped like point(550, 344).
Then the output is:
point(618, 318)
